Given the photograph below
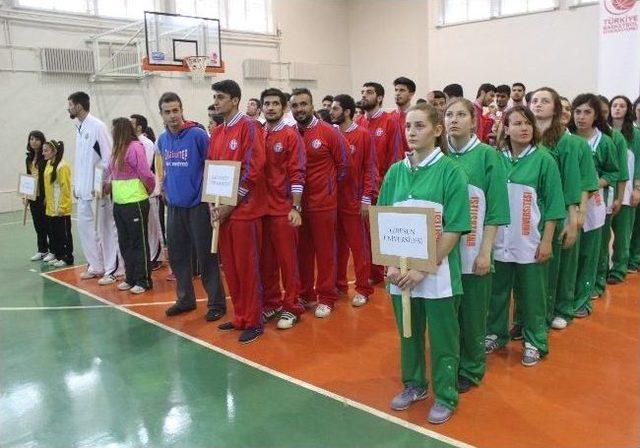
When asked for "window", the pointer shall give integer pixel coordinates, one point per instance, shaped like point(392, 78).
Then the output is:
point(583, 2)
point(460, 11)
point(241, 15)
point(121, 9)
point(76, 6)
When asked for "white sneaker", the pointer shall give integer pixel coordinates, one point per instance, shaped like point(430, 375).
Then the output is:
point(59, 264)
point(38, 256)
point(287, 320)
point(323, 310)
point(107, 280)
point(359, 300)
point(49, 257)
point(137, 290)
point(87, 275)
point(52, 262)
point(559, 323)
point(124, 286)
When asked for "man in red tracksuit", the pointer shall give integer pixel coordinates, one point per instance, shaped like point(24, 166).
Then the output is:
point(405, 89)
point(354, 198)
point(327, 164)
point(285, 173)
point(386, 133)
point(241, 140)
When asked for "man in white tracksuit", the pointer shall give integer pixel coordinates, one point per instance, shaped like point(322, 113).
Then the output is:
point(93, 148)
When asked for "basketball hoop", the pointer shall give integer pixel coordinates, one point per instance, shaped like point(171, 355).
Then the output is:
point(197, 66)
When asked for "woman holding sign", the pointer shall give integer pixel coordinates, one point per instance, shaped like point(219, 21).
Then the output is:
point(35, 164)
point(489, 208)
point(427, 178)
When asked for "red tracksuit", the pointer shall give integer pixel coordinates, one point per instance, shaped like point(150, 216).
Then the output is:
point(327, 164)
point(285, 173)
point(386, 133)
point(358, 188)
point(401, 118)
point(241, 233)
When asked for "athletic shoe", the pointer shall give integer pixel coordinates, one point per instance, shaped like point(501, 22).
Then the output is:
point(58, 264)
point(38, 256)
point(409, 395)
point(439, 414)
point(176, 309)
point(559, 323)
point(249, 335)
point(308, 303)
point(49, 257)
point(581, 312)
point(124, 286)
point(137, 289)
point(595, 296)
point(323, 310)
point(267, 315)
point(632, 270)
point(359, 300)
point(227, 326)
point(613, 281)
point(530, 356)
point(87, 275)
point(108, 279)
point(287, 320)
point(155, 265)
point(464, 384)
point(213, 315)
point(490, 343)
point(52, 262)
point(516, 333)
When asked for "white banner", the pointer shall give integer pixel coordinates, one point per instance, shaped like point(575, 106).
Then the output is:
point(619, 57)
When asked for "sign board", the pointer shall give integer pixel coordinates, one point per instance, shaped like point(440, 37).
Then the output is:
point(220, 182)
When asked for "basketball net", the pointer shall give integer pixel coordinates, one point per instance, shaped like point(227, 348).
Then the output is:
point(197, 66)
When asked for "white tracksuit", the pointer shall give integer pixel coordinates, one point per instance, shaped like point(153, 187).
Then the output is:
point(156, 243)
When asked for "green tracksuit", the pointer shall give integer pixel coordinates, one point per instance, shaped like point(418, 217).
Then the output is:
point(489, 204)
point(439, 183)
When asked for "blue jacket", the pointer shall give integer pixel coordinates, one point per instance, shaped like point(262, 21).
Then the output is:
point(184, 154)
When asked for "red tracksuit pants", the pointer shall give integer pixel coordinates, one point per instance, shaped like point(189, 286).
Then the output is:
point(317, 246)
point(377, 271)
point(240, 246)
point(352, 234)
point(280, 258)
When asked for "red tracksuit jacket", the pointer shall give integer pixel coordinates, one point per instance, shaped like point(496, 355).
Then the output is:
point(361, 184)
point(384, 128)
point(285, 167)
point(241, 140)
point(401, 118)
point(327, 164)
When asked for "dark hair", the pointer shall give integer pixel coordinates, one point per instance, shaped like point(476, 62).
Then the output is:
point(627, 120)
point(346, 103)
point(80, 98)
point(527, 96)
point(564, 98)
point(58, 145)
point(31, 154)
point(421, 101)
point(169, 97)
point(453, 90)
point(360, 105)
point(551, 136)
point(211, 107)
point(123, 135)
point(504, 138)
point(486, 87)
point(635, 105)
point(604, 99)
point(594, 102)
point(408, 83)
point(274, 92)
point(142, 121)
point(324, 115)
point(503, 88)
point(327, 98)
point(287, 96)
point(518, 84)
point(257, 101)
point(301, 91)
point(376, 86)
point(434, 118)
point(439, 94)
point(228, 86)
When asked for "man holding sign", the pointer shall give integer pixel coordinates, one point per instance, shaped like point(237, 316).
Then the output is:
point(427, 178)
point(240, 139)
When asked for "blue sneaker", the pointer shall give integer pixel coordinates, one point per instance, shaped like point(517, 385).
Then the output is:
point(439, 413)
point(409, 395)
point(250, 335)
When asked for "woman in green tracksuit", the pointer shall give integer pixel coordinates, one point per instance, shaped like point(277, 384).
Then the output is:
point(579, 178)
point(588, 122)
point(621, 119)
point(427, 178)
point(489, 208)
point(521, 249)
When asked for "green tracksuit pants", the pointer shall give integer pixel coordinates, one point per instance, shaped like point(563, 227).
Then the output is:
point(634, 248)
point(602, 272)
point(566, 287)
point(622, 225)
point(587, 268)
point(472, 316)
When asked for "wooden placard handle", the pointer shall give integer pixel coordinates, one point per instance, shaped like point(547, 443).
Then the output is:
point(406, 302)
point(216, 230)
point(24, 213)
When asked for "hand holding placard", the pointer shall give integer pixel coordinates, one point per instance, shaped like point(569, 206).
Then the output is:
point(28, 190)
point(220, 187)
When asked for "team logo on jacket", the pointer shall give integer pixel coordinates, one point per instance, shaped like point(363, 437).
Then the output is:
point(278, 147)
point(353, 149)
point(233, 144)
point(316, 143)
point(379, 132)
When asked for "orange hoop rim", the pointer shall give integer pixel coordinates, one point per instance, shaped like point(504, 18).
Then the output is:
point(147, 66)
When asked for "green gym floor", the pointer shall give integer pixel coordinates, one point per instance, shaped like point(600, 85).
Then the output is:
point(78, 373)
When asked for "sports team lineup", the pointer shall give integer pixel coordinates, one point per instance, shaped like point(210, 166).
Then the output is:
point(534, 198)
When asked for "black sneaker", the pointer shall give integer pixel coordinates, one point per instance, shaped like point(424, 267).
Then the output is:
point(213, 315)
point(613, 281)
point(464, 384)
point(176, 309)
point(250, 335)
point(227, 326)
point(516, 333)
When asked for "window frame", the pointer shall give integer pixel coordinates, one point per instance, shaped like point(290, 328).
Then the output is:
point(494, 13)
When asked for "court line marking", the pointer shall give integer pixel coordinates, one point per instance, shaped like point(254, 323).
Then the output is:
point(344, 400)
point(85, 307)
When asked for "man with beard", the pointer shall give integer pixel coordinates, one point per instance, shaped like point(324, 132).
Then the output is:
point(354, 198)
point(518, 92)
point(484, 97)
point(405, 88)
point(327, 165)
